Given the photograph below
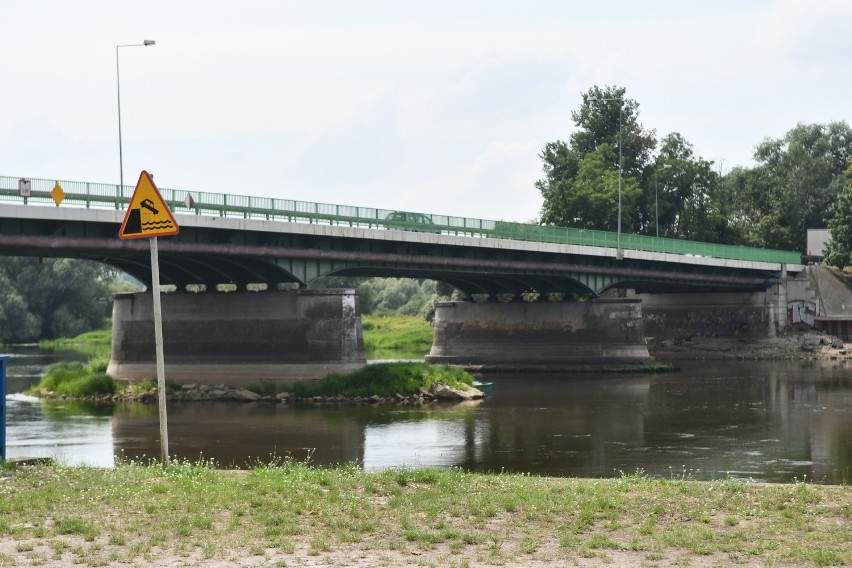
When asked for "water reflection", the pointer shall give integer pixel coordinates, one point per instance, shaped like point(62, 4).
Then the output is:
point(442, 438)
point(764, 421)
point(70, 432)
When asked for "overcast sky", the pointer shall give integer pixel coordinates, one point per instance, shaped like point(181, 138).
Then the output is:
point(435, 106)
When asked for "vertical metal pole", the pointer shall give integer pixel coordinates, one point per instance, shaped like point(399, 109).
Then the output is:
point(3, 360)
point(656, 205)
point(158, 340)
point(619, 253)
point(120, 155)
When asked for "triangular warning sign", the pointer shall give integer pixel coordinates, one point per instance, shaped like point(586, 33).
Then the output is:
point(148, 215)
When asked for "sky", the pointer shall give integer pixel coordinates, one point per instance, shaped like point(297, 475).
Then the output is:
point(438, 106)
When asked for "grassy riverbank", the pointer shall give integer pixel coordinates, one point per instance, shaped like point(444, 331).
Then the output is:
point(292, 514)
point(396, 337)
point(93, 343)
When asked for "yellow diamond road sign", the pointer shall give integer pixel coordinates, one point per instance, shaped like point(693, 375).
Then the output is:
point(147, 215)
point(57, 193)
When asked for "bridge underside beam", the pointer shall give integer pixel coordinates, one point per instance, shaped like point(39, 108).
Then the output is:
point(203, 257)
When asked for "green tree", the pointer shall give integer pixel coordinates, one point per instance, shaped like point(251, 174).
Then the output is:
point(797, 179)
point(49, 298)
point(690, 200)
point(590, 199)
point(580, 183)
point(839, 246)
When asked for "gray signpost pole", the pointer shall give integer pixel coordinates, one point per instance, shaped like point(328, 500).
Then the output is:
point(3, 360)
point(159, 222)
point(158, 345)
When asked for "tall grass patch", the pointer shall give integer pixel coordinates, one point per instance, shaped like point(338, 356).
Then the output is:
point(76, 380)
point(94, 343)
point(396, 337)
point(386, 379)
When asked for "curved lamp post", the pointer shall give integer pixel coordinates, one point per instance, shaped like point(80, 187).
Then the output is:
point(619, 252)
point(145, 43)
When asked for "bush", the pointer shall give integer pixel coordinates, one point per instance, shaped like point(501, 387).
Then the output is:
point(76, 380)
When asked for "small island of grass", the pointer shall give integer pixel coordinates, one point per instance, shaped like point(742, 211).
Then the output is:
point(409, 380)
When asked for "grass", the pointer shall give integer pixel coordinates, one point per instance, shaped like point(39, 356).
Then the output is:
point(396, 337)
point(76, 379)
point(386, 379)
point(94, 343)
point(287, 512)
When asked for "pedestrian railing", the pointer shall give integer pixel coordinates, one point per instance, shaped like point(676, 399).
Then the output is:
point(112, 196)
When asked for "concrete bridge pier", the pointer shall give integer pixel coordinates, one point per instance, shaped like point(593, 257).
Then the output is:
point(239, 338)
point(539, 334)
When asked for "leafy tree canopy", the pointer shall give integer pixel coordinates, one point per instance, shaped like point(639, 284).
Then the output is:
point(670, 193)
point(50, 298)
point(673, 192)
point(839, 247)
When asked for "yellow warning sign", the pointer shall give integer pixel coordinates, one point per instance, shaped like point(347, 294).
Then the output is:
point(147, 215)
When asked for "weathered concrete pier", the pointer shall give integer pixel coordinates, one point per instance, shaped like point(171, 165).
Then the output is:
point(560, 334)
point(239, 338)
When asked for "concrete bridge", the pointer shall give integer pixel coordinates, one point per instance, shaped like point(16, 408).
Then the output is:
point(279, 245)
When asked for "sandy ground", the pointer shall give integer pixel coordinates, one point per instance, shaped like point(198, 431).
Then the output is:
point(356, 556)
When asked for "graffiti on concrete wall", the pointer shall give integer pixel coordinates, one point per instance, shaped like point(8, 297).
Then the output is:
point(801, 311)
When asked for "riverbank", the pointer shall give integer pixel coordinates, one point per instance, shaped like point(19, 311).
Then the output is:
point(791, 346)
point(292, 514)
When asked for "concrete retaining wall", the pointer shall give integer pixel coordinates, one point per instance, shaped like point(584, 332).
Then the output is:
point(240, 337)
point(598, 332)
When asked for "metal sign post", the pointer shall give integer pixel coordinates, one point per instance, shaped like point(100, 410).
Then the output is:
point(158, 343)
point(147, 217)
point(3, 360)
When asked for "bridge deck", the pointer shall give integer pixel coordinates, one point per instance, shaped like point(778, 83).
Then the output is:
point(111, 196)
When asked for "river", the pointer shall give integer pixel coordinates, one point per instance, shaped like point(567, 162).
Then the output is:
point(761, 421)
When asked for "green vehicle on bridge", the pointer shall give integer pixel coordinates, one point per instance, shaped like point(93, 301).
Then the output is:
point(411, 222)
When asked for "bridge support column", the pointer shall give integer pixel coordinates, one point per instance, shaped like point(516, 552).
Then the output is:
point(239, 338)
point(537, 334)
point(734, 314)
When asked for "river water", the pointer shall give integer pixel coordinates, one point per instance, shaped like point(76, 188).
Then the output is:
point(763, 421)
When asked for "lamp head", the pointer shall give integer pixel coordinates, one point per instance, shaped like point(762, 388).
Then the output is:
point(149, 42)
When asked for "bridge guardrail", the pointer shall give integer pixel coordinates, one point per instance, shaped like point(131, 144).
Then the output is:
point(111, 196)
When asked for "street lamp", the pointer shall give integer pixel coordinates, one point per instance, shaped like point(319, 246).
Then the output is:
point(145, 43)
point(657, 199)
point(619, 252)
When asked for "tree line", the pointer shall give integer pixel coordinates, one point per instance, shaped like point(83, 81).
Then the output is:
point(50, 298)
point(800, 181)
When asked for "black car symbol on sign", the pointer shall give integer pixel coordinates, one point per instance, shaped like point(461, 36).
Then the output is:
point(149, 205)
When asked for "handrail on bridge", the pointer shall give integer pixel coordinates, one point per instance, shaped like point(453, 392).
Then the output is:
point(111, 196)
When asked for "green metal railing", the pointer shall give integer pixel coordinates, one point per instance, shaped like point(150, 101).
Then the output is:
point(111, 196)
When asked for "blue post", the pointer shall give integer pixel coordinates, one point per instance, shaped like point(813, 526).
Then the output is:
point(3, 360)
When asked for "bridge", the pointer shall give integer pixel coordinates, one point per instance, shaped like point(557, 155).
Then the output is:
point(245, 240)
point(278, 244)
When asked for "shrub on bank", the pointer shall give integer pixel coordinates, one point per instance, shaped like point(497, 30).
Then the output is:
point(386, 379)
point(76, 380)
